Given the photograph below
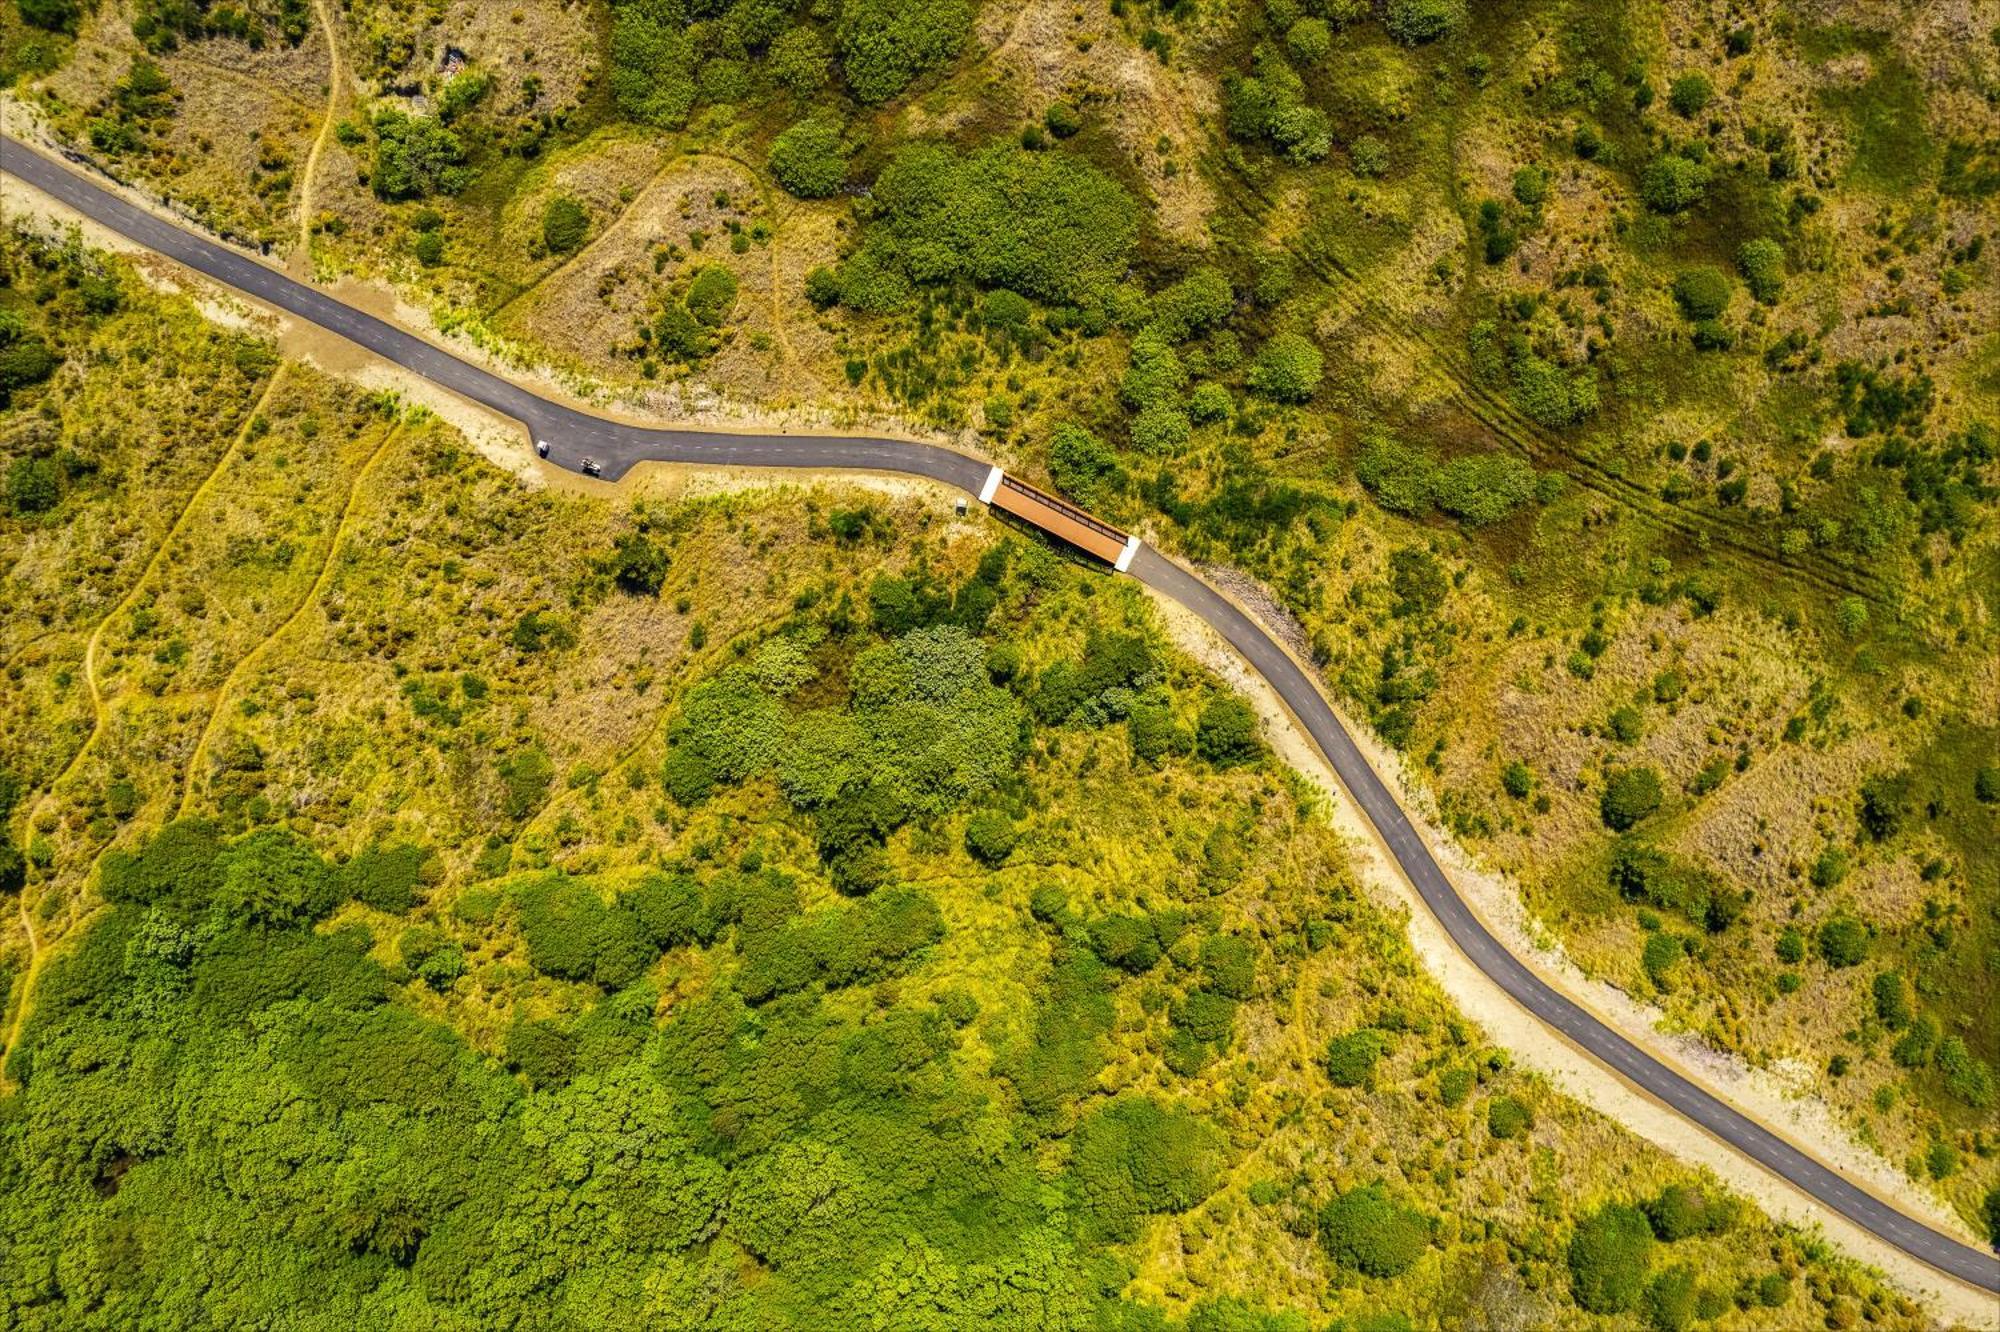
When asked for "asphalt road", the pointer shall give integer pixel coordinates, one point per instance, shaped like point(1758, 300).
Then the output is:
point(573, 435)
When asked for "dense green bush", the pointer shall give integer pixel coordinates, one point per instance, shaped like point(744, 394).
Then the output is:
point(652, 62)
point(799, 59)
point(1507, 1118)
point(1672, 183)
point(49, 15)
point(1155, 376)
point(1083, 467)
point(1684, 1212)
point(1690, 94)
point(808, 159)
point(565, 225)
point(1647, 874)
point(1762, 263)
point(1484, 488)
point(386, 877)
point(1608, 1257)
point(572, 934)
point(1843, 941)
point(415, 157)
point(1367, 1231)
point(1287, 368)
point(180, 865)
point(1352, 1056)
point(1227, 734)
point(1137, 1156)
point(990, 837)
point(711, 296)
point(1417, 21)
point(887, 44)
point(1702, 292)
point(1551, 395)
point(1630, 794)
point(1671, 1300)
point(1046, 224)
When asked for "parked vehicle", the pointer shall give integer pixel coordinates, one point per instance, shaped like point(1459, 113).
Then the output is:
point(591, 467)
point(541, 448)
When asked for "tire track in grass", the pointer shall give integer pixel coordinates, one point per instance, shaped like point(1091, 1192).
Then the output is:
point(227, 688)
point(38, 950)
point(1497, 414)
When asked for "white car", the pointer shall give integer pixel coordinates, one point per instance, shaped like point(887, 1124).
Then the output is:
point(541, 448)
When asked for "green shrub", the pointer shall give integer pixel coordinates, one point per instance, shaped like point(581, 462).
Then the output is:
point(1551, 395)
point(429, 248)
point(1670, 1300)
point(1062, 119)
point(1916, 1045)
point(1309, 40)
point(1774, 1290)
point(1229, 965)
point(1287, 368)
point(1045, 224)
point(808, 158)
point(712, 295)
point(1369, 156)
point(1843, 941)
point(541, 1051)
point(1401, 478)
point(1967, 1077)
point(1690, 94)
point(1367, 1231)
point(1413, 22)
point(565, 225)
point(1702, 292)
point(180, 864)
point(1683, 1212)
point(1762, 263)
point(1608, 1256)
point(1672, 183)
point(416, 156)
point(887, 44)
point(1351, 1057)
point(1484, 488)
point(1507, 1118)
point(1791, 946)
point(1986, 785)
point(1630, 794)
point(572, 934)
point(990, 837)
point(1531, 186)
point(49, 15)
point(272, 877)
point(34, 485)
point(1830, 868)
point(1892, 1001)
point(652, 64)
point(386, 877)
point(1662, 953)
point(1211, 402)
point(1137, 1156)
point(1227, 734)
point(1083, 467)
point(1454, 1085)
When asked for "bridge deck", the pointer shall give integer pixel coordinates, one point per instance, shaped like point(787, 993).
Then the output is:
point(1058, 516)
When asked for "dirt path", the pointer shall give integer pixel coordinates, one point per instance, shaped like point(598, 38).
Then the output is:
point(299, 263)
point(310, 599)
point(1543, 1050)
point(37, 949)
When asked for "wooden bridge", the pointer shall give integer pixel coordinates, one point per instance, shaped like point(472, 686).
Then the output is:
point(1059, 517)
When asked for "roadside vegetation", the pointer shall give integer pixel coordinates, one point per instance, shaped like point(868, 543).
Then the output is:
point(480, 903)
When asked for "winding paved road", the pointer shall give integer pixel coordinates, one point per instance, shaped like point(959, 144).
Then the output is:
point(574, 435)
